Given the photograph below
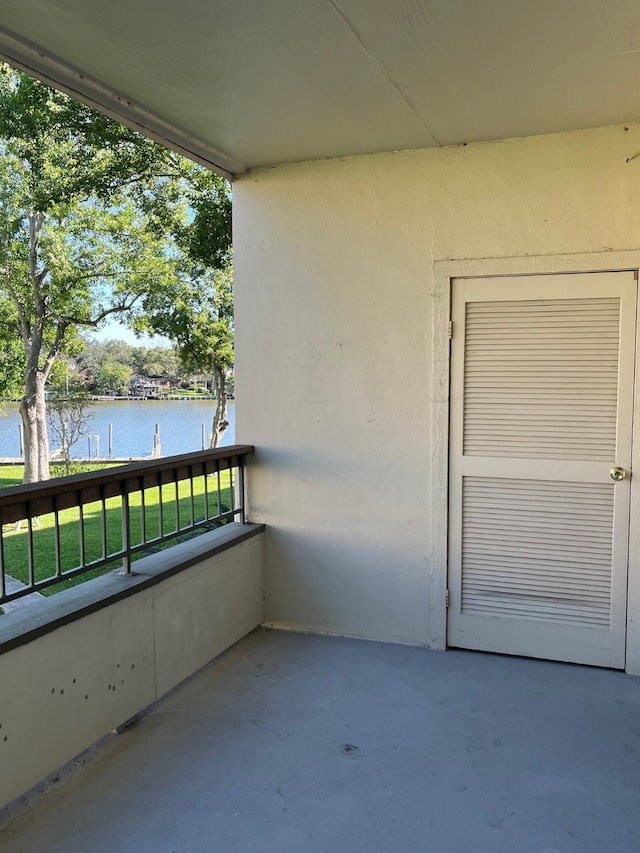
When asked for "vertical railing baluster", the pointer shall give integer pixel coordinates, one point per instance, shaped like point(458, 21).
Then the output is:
point(161, 507)
point(30, 556)
point(83, 556)
point(56, 541)
point(219, 489)
point(126, 530)
point(3, 588)
point(143, 515)
point(103, 523)
point(193, 501)
point(177, 500)
point(240, 502)
point(205, 480)
point(232, 489)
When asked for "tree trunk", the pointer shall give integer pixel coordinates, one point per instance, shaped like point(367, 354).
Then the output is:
point(33, 405)
point(220, 422)
point(34, 421)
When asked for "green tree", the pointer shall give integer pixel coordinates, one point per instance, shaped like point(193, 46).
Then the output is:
point(95, 354)
point(93, 219)
point(91, 357)
point(113, 377)
point(156, 361)
point(198, 317)
point(118, 351)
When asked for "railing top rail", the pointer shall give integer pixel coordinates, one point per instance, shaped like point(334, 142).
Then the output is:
point(112, 480)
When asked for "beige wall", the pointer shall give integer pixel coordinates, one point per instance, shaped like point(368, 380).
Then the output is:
point(64, 691)
point(334, 283)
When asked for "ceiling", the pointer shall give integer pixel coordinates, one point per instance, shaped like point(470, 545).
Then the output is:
point(253, 83)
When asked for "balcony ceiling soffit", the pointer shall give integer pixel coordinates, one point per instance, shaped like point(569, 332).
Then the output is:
point(249, 83)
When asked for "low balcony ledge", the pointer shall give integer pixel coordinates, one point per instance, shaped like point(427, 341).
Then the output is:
point(41, 617)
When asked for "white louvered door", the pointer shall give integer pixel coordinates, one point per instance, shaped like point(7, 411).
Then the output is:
point(542, 372)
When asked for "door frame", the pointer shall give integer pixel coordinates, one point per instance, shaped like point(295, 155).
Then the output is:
point(443, 272)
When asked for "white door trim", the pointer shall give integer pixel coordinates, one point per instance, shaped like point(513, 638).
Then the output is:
point(444, 271)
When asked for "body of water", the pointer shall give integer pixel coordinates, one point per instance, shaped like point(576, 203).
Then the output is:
point(133, 428)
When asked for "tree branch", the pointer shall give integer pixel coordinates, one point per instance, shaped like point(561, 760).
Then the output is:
point(23, 320)
point(118, 185)
point(35, 225)
point(54, 349)
point(125, 305)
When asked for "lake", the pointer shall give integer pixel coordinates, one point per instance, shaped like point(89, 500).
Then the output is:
point(133, 427)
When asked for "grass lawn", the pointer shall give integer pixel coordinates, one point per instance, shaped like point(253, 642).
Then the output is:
point(10, 475)
point(176, 513)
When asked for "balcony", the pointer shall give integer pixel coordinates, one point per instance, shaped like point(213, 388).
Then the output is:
point(146, 709)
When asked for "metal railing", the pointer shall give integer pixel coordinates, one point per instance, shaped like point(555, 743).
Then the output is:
point(59, 532)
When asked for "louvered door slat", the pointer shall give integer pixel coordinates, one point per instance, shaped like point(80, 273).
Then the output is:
point(523, 591)
point(494, 424)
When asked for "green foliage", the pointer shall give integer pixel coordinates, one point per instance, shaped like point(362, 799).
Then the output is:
point(71, 467)
point(99, 358)
point(112, 378)
point(97, 353)
point(156, 361)
point(73, 153)
point(199, 319)
point(65, 378)
point(12, 363)
point(77, 239)
point(206, 239)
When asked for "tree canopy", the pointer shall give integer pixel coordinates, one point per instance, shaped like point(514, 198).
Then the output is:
point(199, 320)
point(95, 221)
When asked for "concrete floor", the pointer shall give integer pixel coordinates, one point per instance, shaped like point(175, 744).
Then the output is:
point(305, 743)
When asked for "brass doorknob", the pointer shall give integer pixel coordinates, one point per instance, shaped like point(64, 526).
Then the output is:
point(617, 474)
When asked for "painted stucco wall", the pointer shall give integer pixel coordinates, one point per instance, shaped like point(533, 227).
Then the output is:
point(334, 280)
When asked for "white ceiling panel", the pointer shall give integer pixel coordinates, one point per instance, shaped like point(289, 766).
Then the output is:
point(490, 70)
point(259, 82)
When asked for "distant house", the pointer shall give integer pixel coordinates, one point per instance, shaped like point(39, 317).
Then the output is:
point(145, 386)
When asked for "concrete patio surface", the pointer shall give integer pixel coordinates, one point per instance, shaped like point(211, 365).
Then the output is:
point(302, 743)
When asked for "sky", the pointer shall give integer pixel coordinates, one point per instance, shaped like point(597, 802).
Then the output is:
point(114, 331)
